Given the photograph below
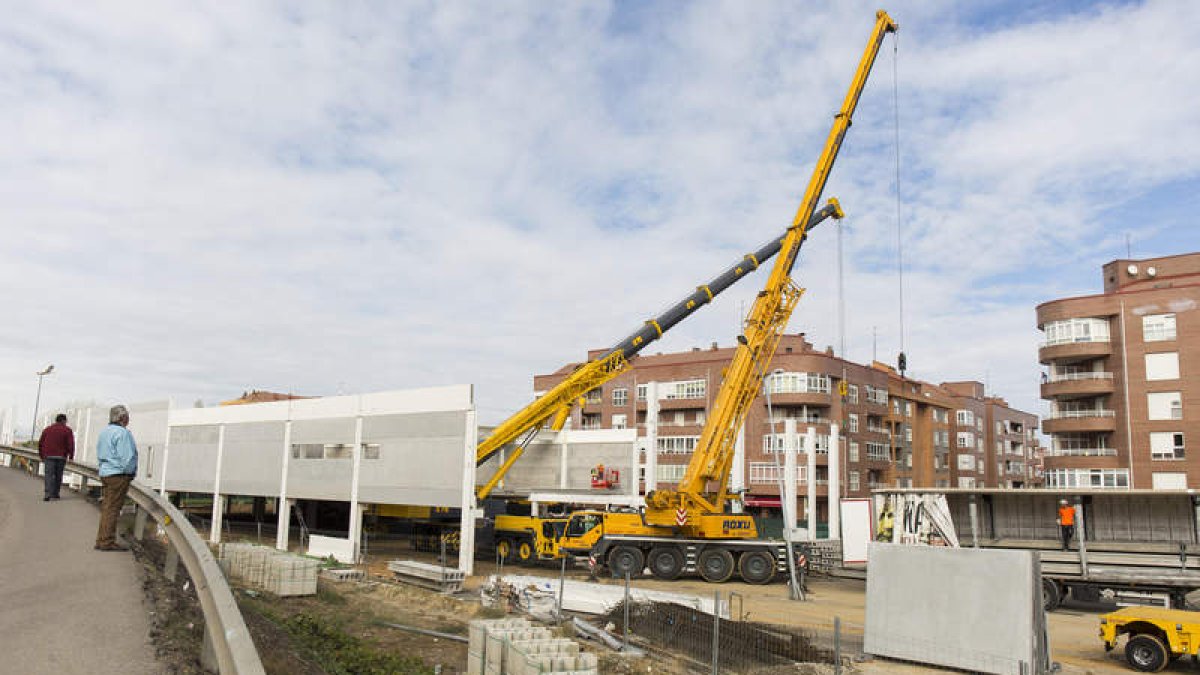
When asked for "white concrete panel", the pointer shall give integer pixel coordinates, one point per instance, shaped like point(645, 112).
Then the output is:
point(420, 458)
point(252, 460)
point(978, 610)
point(542, 468)
point(193, 458)
point(858, 527)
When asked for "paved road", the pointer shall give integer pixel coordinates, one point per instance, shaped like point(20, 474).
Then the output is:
point(64, 607)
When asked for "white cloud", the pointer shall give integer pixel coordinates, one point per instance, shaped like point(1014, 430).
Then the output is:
point(314, 198)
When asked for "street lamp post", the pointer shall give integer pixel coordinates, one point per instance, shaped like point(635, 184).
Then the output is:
point(37, 401)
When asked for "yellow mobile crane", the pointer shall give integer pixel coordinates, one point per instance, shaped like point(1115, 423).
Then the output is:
point(687, 526)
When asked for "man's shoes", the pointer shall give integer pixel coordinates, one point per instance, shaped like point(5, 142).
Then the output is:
point(111, 547)
point(45, 499)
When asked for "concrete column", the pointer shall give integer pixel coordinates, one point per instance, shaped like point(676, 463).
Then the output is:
point(835, 483)
point(634, 489)
point(737, 478)
point(468, 510)
point(355, 527)
point(562, 460)
point(810, 449)
point(218, 506)
point(651, 436)
point(787, 498)
point(162, 479)
point(284, 517)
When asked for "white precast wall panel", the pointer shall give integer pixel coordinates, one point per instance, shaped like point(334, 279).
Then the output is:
point(542, 468)
point(252, 460)
point(193, 458)
point(430, 442)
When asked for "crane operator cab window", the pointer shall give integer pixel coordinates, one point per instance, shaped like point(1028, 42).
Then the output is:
point(582, 523)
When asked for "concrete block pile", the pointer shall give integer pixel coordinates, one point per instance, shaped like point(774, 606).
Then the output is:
point(516, 647)
point(268, 569)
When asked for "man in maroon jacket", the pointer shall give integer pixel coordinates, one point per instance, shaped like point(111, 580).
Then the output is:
point(55, 447)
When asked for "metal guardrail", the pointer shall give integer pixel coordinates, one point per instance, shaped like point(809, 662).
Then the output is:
point(225, 629)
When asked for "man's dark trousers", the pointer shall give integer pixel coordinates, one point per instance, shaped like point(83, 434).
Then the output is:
point(53, 468)
point(1067, 532)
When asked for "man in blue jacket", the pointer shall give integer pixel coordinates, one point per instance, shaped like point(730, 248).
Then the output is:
point(117, 457)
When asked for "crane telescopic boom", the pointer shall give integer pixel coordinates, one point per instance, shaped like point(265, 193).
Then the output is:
point(557, 402)
point(712, 460)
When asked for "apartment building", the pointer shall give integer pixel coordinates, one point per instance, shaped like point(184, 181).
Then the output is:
point(892, 430)
point(996, 445)
point(1123, 378)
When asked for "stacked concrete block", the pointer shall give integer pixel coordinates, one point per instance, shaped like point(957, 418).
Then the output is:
point(514, 647)
point(268, 569)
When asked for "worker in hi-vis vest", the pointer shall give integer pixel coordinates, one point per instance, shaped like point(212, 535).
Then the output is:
point(1066, 522)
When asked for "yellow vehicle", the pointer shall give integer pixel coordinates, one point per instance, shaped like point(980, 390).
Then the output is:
point(527, 539)
point(1156, 635)
point(687, 527)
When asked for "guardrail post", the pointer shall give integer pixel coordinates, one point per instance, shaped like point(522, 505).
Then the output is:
point(171, 564)
point(208, 655)
point(139, 523)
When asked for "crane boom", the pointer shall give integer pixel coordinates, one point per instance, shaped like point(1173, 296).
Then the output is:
point(713, 458)
point(556, 403)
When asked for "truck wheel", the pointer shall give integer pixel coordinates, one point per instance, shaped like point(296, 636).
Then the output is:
point(1051, 595)
point(524, 551)
point(757, 567)
point(716, 565)
point(1146, 653)
point(666, 562)
point(504, 550)
point(624, 559)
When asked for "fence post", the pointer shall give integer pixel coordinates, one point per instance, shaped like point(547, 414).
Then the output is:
point(562, 576)
point(837, 646)
point(625, 634)
point(716, 646)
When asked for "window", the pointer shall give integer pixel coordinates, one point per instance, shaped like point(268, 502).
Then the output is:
point(680, 418)
point(1168, 481)
point(590, 421)
point(685, 389)
point(775, 443)
point(1162, 366)
point(770, 474)
point(965, 418)
point(1157, 327)
point(620, 397)
point(1076, 330)
point(642, 390)
point(966, 439)
point(853, 476)
point(896, 406)
point(370, 451)
point(908, 433)
point(796, 383)
point(593, 396)
point(308, 451)
point(669, 473)
point(908, 409)
point(979, 424)
point(700, 417)
point(876, 395)
point(677, 445)
point(966, 462)
point(1167, 405)
point(853, 423)
point(1083, 478)
point(853, 451)
point(1166, 445)
point(965, 482)
point(877, 451)
point(852, 394)
point(620, 421)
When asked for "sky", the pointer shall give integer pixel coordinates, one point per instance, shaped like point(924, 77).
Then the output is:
point(338, 198)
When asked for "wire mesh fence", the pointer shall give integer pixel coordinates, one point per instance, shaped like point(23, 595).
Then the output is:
point(730, 645)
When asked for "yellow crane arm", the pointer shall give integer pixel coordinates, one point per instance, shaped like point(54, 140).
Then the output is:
point(713, 457)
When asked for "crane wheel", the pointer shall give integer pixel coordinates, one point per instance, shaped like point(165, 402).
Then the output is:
point(666, 562)
point(504, 550)
point(1146, 653)
point(624, 560)
point(1051, 595)
point(757, 567)
point(525, 551)
point(716, 565)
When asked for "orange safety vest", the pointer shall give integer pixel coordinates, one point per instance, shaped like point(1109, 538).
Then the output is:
point(1066, 515)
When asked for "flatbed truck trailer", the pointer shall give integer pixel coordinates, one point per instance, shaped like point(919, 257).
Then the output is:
point(1131, 547)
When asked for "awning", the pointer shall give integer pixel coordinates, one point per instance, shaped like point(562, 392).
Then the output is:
point(771, 502)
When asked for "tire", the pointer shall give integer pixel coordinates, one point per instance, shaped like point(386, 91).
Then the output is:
point(624, 559)
point(666, 562)
point(525, 552)
point(716, 565)
point(756, 567)
point(1146, 653)
point(504, 550)
point(1051, 595)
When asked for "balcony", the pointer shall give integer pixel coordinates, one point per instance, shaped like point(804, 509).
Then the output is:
point(1079, 421)
point(1072, 385)
point(1079, 349)
point(823, 399)
point(1081, 452)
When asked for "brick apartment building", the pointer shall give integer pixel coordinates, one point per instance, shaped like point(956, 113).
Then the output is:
point(1123, 378)
point(893, 430)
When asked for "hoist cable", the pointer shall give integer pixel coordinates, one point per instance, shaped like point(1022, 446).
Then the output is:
point(899, 233)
